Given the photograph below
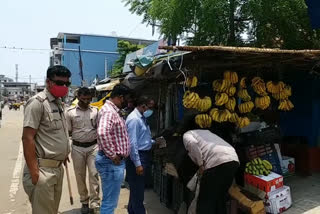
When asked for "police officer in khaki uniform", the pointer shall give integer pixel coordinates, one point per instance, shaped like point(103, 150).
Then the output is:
point(46, 143)
point(82, 124)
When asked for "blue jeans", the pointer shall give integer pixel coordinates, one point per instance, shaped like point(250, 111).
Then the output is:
point(111, 178)
point(137, 183)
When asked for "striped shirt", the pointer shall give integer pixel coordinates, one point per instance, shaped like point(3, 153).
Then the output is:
point(112, 133)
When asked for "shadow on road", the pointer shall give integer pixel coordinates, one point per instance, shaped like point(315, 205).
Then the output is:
point(73, 211)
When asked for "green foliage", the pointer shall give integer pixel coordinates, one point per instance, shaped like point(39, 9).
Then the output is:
point(258, 23)
point(124, 48)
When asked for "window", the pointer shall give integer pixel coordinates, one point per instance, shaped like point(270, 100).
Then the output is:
point(73, 39)
point(16, 93)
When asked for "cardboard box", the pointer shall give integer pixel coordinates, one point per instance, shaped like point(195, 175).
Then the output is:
point(279, 200)
point(267, 183)
point(288, 165)
point(246, 204)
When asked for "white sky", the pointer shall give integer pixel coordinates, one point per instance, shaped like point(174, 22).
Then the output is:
point(31, 24)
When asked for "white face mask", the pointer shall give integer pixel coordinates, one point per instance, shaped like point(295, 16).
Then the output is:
point(147, 113)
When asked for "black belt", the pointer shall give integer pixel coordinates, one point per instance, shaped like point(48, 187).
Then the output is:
point(85, 145)
point(100, 152)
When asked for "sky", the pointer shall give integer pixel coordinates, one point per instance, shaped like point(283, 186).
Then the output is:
point(31, 24)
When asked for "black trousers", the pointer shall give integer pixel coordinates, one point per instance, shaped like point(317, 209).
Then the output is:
point(214, 186)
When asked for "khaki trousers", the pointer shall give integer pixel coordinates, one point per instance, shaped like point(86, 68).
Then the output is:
point(84, 158)
point(46, 194)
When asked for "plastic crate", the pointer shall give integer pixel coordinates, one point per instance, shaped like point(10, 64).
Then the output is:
point(265, 152)
point(166, 190)
point(177, 194)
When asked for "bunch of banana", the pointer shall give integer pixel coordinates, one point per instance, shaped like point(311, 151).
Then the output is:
point(283, 94)
point(190, 99)
point(263, 102)
point(246, 107)
point(243, 82)
point(231, 104)
point(231, 91)
point(274, 88)
point(243, 122)
point(259, 86)
point(204, 104)
point(285, 105)
point(221, 99)
point(203, 120)
point(231, 76)
point(244, 95)
point(220, 115)
point(258, 167)
point(234, 118)
point(221, 85)
point(192, 82)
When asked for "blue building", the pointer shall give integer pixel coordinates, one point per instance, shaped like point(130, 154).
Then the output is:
point(98, 54)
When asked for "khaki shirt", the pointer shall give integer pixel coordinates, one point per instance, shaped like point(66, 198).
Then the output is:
point(82, 124)
point(45, 113)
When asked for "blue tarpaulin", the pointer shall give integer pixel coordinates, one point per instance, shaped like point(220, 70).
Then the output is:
point(314, 13)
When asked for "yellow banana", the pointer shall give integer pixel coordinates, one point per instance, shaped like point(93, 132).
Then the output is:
point(221, 99)
point(243, 94)
point(231, 104)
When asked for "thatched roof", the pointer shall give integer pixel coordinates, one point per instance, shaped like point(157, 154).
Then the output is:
point(246, 57)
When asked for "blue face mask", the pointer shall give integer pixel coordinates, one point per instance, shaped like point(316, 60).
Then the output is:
point(147, 113)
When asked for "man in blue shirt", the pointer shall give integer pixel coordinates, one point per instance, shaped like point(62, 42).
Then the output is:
point(140, 156)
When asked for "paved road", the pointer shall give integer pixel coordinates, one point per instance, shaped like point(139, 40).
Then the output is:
point(13, 199)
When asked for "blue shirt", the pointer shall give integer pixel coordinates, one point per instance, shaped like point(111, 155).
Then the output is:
point(139, 135)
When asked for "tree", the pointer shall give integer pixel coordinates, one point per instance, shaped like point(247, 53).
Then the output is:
point(124, 48)
point(258, 23)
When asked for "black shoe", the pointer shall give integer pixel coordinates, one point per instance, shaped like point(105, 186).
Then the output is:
point(85, 209)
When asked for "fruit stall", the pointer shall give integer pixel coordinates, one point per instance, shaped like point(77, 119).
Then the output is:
point(264, 102)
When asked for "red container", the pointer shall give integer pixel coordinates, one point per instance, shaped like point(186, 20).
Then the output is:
point(267, 183)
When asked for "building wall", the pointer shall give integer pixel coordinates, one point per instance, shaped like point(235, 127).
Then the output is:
point(95, 51)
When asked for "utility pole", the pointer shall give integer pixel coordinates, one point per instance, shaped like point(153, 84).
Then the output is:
point(17, 72)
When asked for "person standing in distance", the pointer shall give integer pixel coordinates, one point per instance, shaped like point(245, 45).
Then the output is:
point(113, 148)
point(140, 155)
point(82, 124)
point(46, 143)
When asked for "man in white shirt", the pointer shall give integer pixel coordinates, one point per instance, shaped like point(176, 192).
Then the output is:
point(218, 163)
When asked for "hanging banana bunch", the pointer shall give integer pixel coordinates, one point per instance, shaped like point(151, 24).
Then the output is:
point(221, 99)
point(275, 88)
point(192, 82)
point(190, 99)
point(231, 91)
point(246, 107)
point(243, 122)
point(220, 115)
point(244, 95)
point(204, 104)
point(231, 76)
point(285, 105)
point(283, 94)
point(231, 104)
point(259, 86)
point(221, 85)
point(203, 120)
point(262, 102)
point(234, 118)
point(243, 82)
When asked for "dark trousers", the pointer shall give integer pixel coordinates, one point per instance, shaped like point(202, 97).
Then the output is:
point(214, 186)
point(137, 183)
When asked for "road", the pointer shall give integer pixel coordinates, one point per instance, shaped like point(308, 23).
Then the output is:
point(13, 199)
